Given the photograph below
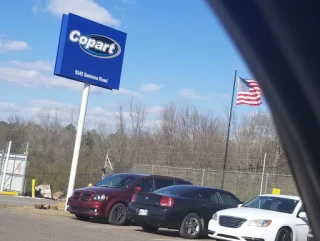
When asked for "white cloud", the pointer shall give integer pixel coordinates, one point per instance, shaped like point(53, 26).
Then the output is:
point(63, 110)
point(40, 66)
point(154, 109)
point(154, 124)
point(99, 112)
point(128, 93)
point(40, 74)
point(4, 106)
point(12, 45)
point(34, 108)
point(191, 94)
point(34, 74)
point(49, 104)
point(66, 112)
point(85, 8)
point(150, 87)
point(125, 114)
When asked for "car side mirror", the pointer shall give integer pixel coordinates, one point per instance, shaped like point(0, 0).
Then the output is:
point(137, 189)
point(302, 215)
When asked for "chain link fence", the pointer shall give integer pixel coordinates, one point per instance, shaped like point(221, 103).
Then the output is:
point(244, 185)
point(59, 181)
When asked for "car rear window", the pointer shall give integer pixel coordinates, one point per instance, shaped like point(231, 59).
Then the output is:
point(161, 183)
point(182, 182)
point(175, 190)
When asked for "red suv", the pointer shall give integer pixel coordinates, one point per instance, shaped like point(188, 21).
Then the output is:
point(110, 197)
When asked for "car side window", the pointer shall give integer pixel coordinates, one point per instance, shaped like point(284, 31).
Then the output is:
point(146, 185)
point(229, 199)
point(192, 194)
point(161, 182)
point(209, 196)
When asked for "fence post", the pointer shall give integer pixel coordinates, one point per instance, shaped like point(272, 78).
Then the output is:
point(5, 167)
point(266, 185)
point(152, 170)
point(13, 169)
point(2, 162)
point(26, 171)
point(203, 173)
point(262, 177)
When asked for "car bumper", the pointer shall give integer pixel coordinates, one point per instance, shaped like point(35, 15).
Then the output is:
point(159, 217)
point(243, 233)
point(92, 209)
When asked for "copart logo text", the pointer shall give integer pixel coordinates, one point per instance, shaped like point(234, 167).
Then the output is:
point(96, 45)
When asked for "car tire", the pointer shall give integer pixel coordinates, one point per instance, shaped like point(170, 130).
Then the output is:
point(118, 214)
point(284, 234)
point(190, 226)
point(82, 218)
point(149, 228)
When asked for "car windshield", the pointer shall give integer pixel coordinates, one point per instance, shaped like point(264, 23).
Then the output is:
point(117, 181)
point(277, 204)
point(174, 190)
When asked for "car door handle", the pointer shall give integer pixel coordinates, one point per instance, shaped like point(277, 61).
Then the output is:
point(204, 205)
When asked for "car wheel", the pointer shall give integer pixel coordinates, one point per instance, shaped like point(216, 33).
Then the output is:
point(191, 226)
point(82, 218)
point(284, 234)
point(118, 214)
point(150, 229)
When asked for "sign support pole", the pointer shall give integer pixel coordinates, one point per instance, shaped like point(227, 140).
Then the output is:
point(77, 144)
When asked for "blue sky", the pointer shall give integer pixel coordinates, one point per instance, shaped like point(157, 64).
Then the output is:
point(175, 51)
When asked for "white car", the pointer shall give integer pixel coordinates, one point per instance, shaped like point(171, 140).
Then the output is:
point(264, 218)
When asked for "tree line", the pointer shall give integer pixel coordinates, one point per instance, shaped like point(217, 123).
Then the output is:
point(182, 136)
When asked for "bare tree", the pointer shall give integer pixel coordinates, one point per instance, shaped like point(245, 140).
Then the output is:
point(169, 126)
point(119, 140)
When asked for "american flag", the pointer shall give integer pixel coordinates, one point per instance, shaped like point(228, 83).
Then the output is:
point(249, 92)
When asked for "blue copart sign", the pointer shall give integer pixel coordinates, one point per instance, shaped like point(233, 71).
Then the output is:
point(90, 52)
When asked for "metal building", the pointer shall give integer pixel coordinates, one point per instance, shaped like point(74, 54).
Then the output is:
point(16, 172)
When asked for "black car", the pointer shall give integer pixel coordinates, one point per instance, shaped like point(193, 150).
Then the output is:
point(187, 208)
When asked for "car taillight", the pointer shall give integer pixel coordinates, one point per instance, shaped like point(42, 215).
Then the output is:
point(166, 202)
point(134, 198)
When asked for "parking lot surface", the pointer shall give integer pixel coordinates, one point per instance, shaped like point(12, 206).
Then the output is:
point(25, 226)
point(24, 201)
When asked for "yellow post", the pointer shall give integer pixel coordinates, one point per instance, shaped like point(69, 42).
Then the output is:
point(32, 187)
point(90, 184)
